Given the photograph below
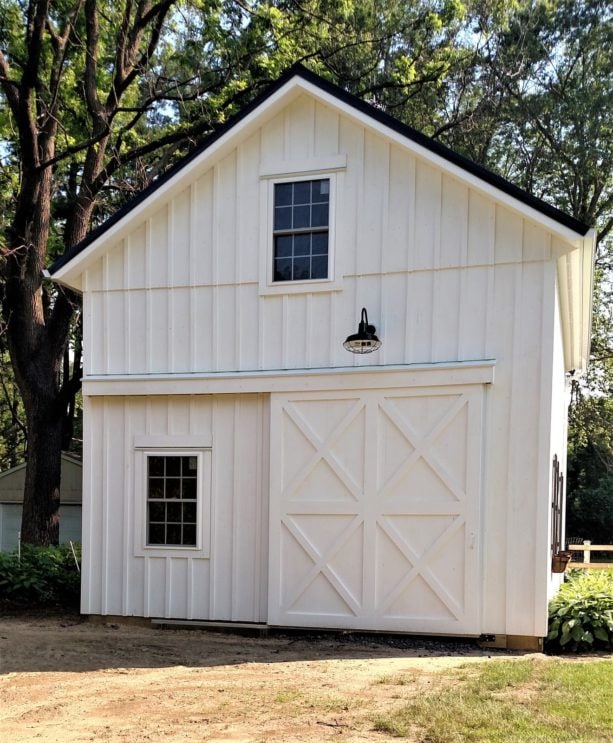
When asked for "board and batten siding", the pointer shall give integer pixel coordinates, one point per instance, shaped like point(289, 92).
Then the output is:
point(229, 585)
point(423, 252)
point(446, 274)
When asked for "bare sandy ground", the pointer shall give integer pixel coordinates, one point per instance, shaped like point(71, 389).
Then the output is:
point(62, 679)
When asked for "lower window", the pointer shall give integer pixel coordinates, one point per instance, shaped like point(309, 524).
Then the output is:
point(172, 500)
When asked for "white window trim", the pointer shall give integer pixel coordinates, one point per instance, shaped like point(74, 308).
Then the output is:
point(203, 525)
point(267, 202)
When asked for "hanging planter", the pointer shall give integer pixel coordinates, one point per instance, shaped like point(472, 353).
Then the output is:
point(559, 562)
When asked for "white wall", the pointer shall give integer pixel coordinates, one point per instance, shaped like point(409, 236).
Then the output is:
point(424, 253)
point(231, 584)
point(446, 275)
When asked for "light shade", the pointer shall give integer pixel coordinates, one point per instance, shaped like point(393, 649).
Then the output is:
point(365, 340)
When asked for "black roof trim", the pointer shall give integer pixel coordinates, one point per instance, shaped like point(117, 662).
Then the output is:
point(389, 121)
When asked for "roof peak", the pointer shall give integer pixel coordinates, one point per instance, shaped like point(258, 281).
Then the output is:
point(334, 90)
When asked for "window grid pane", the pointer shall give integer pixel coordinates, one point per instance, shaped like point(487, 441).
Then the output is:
point(301, 217)
point(172, 504)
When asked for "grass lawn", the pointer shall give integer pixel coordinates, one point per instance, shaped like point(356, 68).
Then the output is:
point(503, 701)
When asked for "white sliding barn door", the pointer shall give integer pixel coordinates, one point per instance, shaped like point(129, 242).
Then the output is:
point(374, 511)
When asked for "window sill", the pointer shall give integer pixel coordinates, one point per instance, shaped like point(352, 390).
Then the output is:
point(312, 286)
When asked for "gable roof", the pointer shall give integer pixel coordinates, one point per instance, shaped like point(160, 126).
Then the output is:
point(300, 72)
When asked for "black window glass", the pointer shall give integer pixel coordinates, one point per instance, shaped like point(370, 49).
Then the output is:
point(320, 243)
point(302, 268)
point(157, 512)
point(319, 267)
point(172, 507)
point(189, 534)
point(283, 218)
point(189, 489)
point(189, 513)
point(156, 466)
point(173, 512)
point(302, 192)
point(283, 194)
point(173, 533)
point(321, 191)
point(283, 269)
point(302, 244)
point(300, 207)
point(156, 533)
point(319, 215)
point(283, 246)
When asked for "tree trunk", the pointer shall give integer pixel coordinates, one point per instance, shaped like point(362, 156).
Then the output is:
point(40, 520)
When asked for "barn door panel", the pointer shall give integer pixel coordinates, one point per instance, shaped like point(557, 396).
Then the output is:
point(375, 509)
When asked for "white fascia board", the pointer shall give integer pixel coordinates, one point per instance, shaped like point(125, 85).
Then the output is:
point(298, 380)
point(70, 273)
point(576, 283)
point(440, 162)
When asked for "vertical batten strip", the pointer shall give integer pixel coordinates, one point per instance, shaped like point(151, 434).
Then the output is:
point(332, 328)
point(213, 515)
point(287, 134)
point(284, 332)
point(263, 490)
point(106, 297)
point(147, 560)
point(235, 586)
point(383, 318)
point(105, 507)
point(257, 542)
point(87, 561)
point(545, 419)
point(149, 298)
point(189, 610)
point(308, 359)
point(514, 459)
point(409, 346)
point(435, 276)
point(127, 308)
point(216, 238)
point(168, 586)
point(128, 499)
point(170, 286)
point(147, 587)
point(238, 242)
point(193, 333)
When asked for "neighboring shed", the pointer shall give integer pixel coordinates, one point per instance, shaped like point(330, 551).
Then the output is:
point(241, 465)
point(11, 498)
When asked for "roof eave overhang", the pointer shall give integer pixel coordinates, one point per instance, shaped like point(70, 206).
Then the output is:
point(576, 285)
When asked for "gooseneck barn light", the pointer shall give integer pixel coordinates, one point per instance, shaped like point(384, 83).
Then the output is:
point(365, 340)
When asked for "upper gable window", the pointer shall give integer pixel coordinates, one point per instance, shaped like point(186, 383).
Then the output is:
point(301, 230)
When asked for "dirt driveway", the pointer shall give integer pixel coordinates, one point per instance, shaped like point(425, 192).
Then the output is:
point(66, 680)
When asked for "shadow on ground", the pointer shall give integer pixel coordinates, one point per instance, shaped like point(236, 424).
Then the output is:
point(71, 644)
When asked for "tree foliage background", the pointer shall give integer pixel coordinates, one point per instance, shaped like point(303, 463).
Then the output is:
point(98, 97)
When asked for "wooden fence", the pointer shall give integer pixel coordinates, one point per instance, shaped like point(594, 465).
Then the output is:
point(587, 547)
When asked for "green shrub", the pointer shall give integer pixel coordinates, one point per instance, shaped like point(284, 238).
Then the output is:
point(581, 614)
point(42, 576)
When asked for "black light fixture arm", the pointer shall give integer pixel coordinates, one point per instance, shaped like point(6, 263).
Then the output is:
point(364, 326)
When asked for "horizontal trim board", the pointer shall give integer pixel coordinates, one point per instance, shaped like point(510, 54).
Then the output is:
point(306, 166)
point(295, 380)
point(172, 441)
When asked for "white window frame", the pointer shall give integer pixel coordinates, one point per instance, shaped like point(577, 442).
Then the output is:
point(202, 548)
point(267, 194)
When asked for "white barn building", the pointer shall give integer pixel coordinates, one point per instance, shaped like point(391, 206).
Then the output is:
point(241, 465)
